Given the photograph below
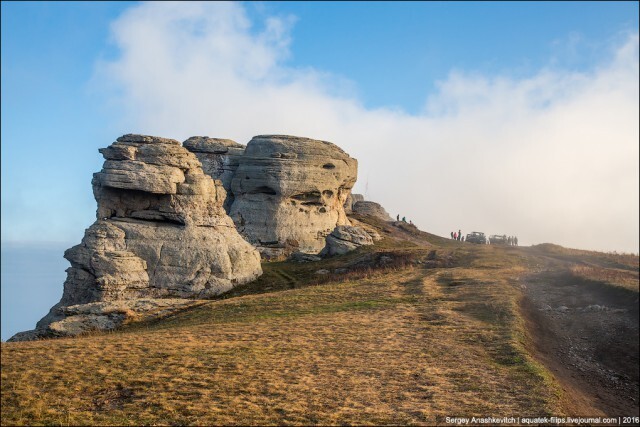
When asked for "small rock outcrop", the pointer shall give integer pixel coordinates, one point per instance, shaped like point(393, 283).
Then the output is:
point(161, 232)
point(371, 209)
point(289, 193)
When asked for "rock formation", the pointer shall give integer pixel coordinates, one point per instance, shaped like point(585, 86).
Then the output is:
point(163, 237)
point(161, 232)
point(289, 193)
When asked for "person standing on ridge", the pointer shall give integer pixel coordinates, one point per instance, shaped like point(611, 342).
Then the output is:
point(459, 234)
point(452, 234)
point(398, 217)
point(455, 236)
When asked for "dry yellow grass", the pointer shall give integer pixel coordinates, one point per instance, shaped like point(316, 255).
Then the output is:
point(403, 345)
point(402, 348)
point(623, 278)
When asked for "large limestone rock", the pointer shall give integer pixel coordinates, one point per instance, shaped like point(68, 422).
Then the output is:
point(161, 232)
point(219, 158)
point(290, 191)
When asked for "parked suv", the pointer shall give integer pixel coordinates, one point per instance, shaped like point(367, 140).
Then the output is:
point(498, 240)
point(476, 237)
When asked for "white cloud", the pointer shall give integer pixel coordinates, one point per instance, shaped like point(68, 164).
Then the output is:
point(551, 157)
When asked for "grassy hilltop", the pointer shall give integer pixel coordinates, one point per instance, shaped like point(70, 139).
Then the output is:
point(408, 331)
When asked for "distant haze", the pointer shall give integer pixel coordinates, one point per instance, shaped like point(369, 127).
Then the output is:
point(32, 278)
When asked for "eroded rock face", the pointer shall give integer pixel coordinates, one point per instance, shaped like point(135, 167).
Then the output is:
point(290, 191)
point(156, 179)
point(102, 269)
point(161, 232)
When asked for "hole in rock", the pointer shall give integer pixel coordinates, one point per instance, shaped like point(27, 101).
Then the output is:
point(311, 196)
point(263, 190)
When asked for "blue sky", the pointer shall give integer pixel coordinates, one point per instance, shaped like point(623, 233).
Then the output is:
point(395, 52)
point(516, 118)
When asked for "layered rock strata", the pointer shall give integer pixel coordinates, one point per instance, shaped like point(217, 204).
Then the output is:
point(161, 232)
point(289, 193)
point(171, 215)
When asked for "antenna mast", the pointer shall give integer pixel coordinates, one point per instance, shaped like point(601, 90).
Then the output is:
point(366, 188)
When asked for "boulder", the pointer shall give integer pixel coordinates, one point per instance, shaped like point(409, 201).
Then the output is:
point(345, 238)
point(290, 191)
point(304, 257)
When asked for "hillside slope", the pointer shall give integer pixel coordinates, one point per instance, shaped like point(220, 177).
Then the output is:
point(409, 331)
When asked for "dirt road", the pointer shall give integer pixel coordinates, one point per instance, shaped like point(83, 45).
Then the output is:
point(586, 333)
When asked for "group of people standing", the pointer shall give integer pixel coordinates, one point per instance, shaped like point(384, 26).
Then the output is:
point(404, 219)
point(494, 240)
